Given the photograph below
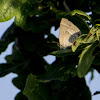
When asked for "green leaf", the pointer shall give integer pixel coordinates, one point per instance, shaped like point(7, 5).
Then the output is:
point(21, 9)
point(15, 57)
point(91, 37)
point(75, 12)
point(98, 33)
point(60, 71)
point(95, 28)
point(20, 96)
point(96, 52)
point(77, 42)
point(79, 12)
point(19, 81)
point(7, 38)
point(35, 90)
point(55, 73)
point(5, 69)
point(62, 52)
point(83, 39)
point(10, 9)
point(86, 59)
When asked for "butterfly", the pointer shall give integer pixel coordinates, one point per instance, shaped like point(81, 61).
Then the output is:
point(68, 33)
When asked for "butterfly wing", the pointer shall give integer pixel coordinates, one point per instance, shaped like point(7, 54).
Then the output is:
point(64, 36)
point(68, 33)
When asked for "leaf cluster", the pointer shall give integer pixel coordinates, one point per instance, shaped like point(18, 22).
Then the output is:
point(64, 78)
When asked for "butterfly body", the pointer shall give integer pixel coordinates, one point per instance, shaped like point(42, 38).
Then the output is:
point(68, 33)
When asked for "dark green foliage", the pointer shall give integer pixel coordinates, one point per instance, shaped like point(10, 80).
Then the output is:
point(64, 78)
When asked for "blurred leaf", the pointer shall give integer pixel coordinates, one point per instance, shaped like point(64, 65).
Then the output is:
point(19, 81)
point(67, 90)
point(62, 52)
point(34, 90)
point(7, 38)
point(97, 92)
point(10, 9)
point(20, 96)
point(96, 6)
point(16, 56)
point(5, 69)
point(81, 4)
point(20, 9)
point(60, 71)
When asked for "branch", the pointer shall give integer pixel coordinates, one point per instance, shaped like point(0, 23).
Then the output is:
point(66, 6)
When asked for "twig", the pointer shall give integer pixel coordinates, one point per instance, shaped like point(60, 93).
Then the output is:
point(66, 6)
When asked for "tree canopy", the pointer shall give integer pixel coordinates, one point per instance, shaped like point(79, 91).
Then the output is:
point(37, 79)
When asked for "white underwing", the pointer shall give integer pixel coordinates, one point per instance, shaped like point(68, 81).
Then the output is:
point(68, 33)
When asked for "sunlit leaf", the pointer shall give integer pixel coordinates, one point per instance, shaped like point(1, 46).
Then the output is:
point(91, 37)
point(79, 12)
point(10, 9)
